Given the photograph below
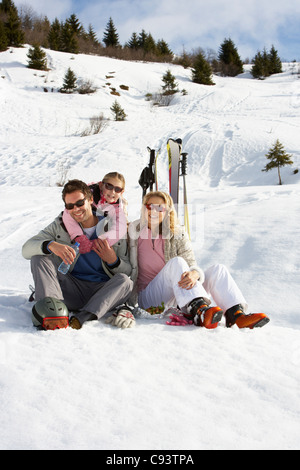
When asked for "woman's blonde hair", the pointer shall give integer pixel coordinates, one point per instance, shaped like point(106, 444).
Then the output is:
point(170, 222)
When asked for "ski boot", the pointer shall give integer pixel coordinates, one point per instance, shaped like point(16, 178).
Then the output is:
point(236, 315)
point(77, 320)
point(202, 315)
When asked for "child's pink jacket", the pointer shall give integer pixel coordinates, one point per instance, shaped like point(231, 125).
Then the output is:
point(114, 219)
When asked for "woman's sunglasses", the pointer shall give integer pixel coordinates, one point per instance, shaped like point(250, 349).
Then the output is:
point(155, 207)
point(70, 206)
point(110, 187)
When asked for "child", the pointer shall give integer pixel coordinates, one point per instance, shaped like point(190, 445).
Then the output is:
point(108, 200)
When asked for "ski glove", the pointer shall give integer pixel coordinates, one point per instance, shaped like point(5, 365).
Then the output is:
point(177, 318)
point(123, 318)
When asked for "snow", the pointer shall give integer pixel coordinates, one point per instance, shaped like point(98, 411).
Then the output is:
point(154, 386)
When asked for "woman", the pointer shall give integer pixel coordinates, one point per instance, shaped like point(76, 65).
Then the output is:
point(165, 270)
point(109, 202)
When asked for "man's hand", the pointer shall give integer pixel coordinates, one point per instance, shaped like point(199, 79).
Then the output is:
point(106, 253)
point(65, 252)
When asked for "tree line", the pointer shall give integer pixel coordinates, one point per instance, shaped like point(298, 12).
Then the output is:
point(17, 28)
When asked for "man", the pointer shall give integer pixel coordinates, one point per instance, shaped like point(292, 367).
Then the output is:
point(97, 282)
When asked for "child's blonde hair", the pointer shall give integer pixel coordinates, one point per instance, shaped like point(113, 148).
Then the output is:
point(119, 176)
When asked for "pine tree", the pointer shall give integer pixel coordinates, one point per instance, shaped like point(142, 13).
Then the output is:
point(92, 35)
point(201, 71)
point(142, 38)
point(69, 40)
point(75, 24)
point(14, 33)
point(69, 84)
point(258, 69)
point(170, 86)
point(266, 64)
point(149, 44)
point(278, 158)
point(118, 111)
point(133, 42)
point(275, 65)
point(3, 37)
point(6, 5)
point(54, 36)
point(37, 58)
point(111, 37)
point(231, 63)
point(163, 48)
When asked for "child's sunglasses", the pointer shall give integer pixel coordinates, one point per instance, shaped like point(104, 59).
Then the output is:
point(110, 187)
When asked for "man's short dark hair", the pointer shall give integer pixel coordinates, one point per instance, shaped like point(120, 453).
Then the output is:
point(76, 185)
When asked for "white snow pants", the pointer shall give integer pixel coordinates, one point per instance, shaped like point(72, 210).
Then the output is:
point(218, 284)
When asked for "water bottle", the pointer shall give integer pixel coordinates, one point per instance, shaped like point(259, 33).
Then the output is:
point(63, 268)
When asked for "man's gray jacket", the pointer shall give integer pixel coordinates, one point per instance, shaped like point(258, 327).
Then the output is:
point(56, 231)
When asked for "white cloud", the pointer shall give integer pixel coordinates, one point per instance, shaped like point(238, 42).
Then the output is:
point(252, 24)
point(51, 9)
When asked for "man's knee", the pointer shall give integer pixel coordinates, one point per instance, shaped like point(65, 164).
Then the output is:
point(124, 280)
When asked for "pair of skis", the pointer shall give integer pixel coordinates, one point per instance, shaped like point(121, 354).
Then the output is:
point(177, 167)
point(177, 162)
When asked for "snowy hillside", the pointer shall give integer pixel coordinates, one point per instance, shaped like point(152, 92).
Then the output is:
point(155, 386)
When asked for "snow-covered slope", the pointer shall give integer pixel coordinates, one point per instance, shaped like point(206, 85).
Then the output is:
point(153, 387)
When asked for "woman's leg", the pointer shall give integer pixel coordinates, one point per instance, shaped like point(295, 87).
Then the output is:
point(222, 288)
point(164, 287)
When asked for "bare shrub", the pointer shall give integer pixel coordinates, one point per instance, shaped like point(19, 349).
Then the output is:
point(86, 87)
point(97, 125)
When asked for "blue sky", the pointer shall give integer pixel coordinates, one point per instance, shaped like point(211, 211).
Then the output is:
point(189, 24)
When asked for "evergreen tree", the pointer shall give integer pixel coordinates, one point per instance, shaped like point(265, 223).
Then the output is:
point(258, 69)
point(231, 63)
point(266, 64)
point(149, 44)
point(111, 37)
point(37, 58)
point(92, 35)
point(142, 38)
point(74, 22)
point(118, 111)
point(14, 33)
point(3, 37)
point(133, 42)
point(170, 86)
point(201, 71)
point(69, 84)
point(163, 49)
point(54, 36)
point(275, 65)
point(278, 158)
point(69, 40)
point(6, 5)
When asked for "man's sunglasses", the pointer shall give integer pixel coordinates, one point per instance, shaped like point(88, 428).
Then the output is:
point(155, 207)
point(70, 206)
point(110, 187)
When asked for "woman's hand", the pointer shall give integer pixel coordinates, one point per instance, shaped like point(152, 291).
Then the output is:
point(188, 279)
